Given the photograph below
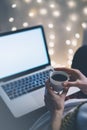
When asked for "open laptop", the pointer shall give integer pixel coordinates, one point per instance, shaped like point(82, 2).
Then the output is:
point(24, 68)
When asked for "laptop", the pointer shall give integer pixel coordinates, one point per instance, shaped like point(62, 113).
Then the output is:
point(24, 68)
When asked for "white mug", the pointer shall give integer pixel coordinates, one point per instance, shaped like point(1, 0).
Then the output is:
point(57, 78)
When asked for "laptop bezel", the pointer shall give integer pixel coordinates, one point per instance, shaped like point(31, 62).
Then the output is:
point(33, 69)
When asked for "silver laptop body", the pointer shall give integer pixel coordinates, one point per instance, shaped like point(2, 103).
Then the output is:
point(24, 60)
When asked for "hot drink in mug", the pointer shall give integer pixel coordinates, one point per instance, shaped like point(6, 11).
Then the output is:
point(57, 78)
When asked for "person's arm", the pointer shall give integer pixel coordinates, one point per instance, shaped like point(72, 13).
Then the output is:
point(55, 104)
point(56, 120)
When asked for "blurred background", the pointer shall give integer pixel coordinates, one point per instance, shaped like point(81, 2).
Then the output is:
point(64, 21)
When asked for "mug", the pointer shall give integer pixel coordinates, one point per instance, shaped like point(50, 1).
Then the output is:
point(57, 78)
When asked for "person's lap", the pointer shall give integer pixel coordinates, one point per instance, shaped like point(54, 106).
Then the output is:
point(43, 122)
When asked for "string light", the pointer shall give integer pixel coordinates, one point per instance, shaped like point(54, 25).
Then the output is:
point(39, 1)
point(50, 25)
point(68, 28)
point(51, 51)
point(43, 11)
point(69, 62)
point(77, 35)
point(52, 5)
point(14, 6)
point(25, 24)
point(52, 36)
point(85, 10)
point(52, 12)
point(14, 29)
point(73, 17)
point(51, 44)
point(74, 42)
point(32, 13)
point(84, 25)
point(53, 63)
point(11, 19)
point(27, 1)
point(56, 13)
point(71, 3)
point(70, 57)
point(70, 51)
point(68, 42)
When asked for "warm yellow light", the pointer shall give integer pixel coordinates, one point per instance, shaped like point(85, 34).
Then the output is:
point(11, 19)
point(27, 1)
point(74, 42)
point(51, 51)
point(68, 28)
point(51, 44)
point(71, 3)
point(25, 24)
point(53, 63)
point(14, 29)
point(77, 35)
point(50, 25)
point(52, 36)
point(70, 51)
point(56, 13)
point(68, 42)
point(52, 5)
point(14, 6)
point(73, 17)
point(70, 57)
point(69, 62)
point(32, 13)
point(84, 25)
point(85, 10)
point(39, 1)
point(43, 11)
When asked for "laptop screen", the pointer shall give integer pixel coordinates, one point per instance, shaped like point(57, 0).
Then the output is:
point(22, 50)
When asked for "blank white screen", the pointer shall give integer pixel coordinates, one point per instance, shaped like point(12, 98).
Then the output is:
point(22, 51)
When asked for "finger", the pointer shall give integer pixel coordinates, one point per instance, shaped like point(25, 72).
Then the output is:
point(70, 84)
point(49, 89)
point(48, 97)
point(46, 102)
point(63, 95)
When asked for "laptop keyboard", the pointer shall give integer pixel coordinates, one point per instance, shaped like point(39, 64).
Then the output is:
point(25, 85)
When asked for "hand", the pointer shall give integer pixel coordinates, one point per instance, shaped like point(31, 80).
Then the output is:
point(54, 101)
point(55, 104)
point(76, 79)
